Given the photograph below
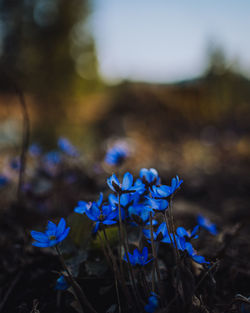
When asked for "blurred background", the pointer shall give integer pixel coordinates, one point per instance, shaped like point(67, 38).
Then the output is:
point(170, 78)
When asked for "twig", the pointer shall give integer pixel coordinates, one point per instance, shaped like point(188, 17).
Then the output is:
point(25, 140)
point(204, 276)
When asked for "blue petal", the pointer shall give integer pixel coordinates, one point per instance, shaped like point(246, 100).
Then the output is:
point(213, 229)
point(61, 227)
point(149, 308)
point(81, 207)
point(199, 259)
point(139, 187)
point(115, 179)
point(113, 200)
point(166, 239)
point(106, 210)
point(136, 253)
point(154, 172)
point(145, 253)
point(51, 229)
point(147, 233)
point(195, 230)
point(99, 202)
point(41, 237)
point(127, 181)
point(143, 172)
point(124, 200)
point(110, 184)
point(144, 215)
point(92, 216)
point(189, 248)
point(61, 283)
point(162, 229)
point(110, 181)
point(41, 244)
point(112, 215)
point(95, 211)
point(109, 222)
point(164, 191)
point(181, 231)
point(63, 235)
point(163, 205)
point(173, 184)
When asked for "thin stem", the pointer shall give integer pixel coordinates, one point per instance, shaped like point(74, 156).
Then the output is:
point(152, 245)
point(118, 296)
point(81, 297)
point(173, 229)
point(115, 268)
point(126, 250)
point(169, 234)
point(154, 251)
point(145, 280)
point(104, 250)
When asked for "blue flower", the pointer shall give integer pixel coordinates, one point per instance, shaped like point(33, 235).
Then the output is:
point(175, 183)
point(138, 258)
point(152, 303)
point(52, 158)
point(97, 212)
point(3, 180)
point(139, 186)
point(15, 163)
point(117, 154)
point(104, 215)
point(149, 177)
point(182, 232)
point(35, 150)
point(165, 191)
point(160, 235)
point(187, 246)
point(157, 204)
point(52, 236)
point(125, 187)
point(66, 146)
point(126, 199)
point(205, 223)
point(140, 213)
point(197, 258)
point(61, 283)
point(83, 206)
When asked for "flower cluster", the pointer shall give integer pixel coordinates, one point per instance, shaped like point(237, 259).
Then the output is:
point(141, 205)
point(137, 200)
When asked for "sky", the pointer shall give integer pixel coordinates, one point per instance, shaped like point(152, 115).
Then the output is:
point(167, 40)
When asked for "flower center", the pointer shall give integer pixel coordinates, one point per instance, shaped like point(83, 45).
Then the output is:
point(52, 237)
